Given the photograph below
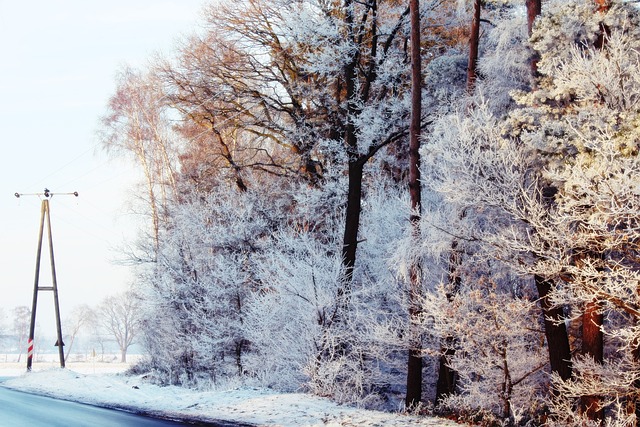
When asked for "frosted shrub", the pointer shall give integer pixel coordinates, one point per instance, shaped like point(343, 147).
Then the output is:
point(307, 335)
point(286, 317)
point(197, 291)
point(494, 348)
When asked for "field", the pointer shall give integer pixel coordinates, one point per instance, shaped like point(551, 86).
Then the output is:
point(103, 364)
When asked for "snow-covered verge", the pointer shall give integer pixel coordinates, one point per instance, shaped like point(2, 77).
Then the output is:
point(259, 407)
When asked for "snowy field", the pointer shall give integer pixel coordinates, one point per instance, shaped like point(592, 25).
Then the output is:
point(103, 384)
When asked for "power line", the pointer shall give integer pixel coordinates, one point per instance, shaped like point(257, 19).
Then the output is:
point(66, 165)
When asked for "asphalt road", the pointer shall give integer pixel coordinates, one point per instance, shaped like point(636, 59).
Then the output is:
point(19, 409)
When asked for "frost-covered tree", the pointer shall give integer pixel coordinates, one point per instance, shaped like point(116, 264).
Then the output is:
point(287, 317)
point(197, 291)
point(548, 192)
point(483, 175)
point(581, 122)
point(297, 332)
point(464, 149)
point(291, 88)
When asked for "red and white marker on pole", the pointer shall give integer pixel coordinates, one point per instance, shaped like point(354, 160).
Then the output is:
point(30, 349)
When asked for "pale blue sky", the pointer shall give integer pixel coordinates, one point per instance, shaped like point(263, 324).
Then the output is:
point(58, 59)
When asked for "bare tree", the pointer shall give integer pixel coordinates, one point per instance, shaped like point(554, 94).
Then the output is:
point(81, 316)
point(119, 316)
point(99, 337)
point(21, 320)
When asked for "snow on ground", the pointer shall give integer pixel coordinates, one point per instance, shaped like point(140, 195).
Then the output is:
point(99, 385)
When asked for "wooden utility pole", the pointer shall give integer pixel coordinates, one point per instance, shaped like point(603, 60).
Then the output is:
point(45, 216)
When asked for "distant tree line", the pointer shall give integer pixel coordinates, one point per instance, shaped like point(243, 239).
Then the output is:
point(115, 320)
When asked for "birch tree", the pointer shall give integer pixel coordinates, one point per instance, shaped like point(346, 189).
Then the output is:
point(137, 124)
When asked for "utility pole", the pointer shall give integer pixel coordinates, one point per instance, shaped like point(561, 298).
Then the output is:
point(44, 214)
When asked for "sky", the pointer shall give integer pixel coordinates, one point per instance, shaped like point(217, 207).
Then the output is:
point(58, 62)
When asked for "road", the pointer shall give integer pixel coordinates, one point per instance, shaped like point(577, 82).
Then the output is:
point(24, 409)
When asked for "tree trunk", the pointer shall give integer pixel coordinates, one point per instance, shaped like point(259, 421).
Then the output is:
point(354, 205)
point(603, 5)
point(632, 401)
point(446, 383)
point(534, 9)
point(416, 115)
point(352, 219)
point(592, 345)
point(555, 331)
point(474, 42)
point(414, 377)
point(414, 364)
point(123, 355)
